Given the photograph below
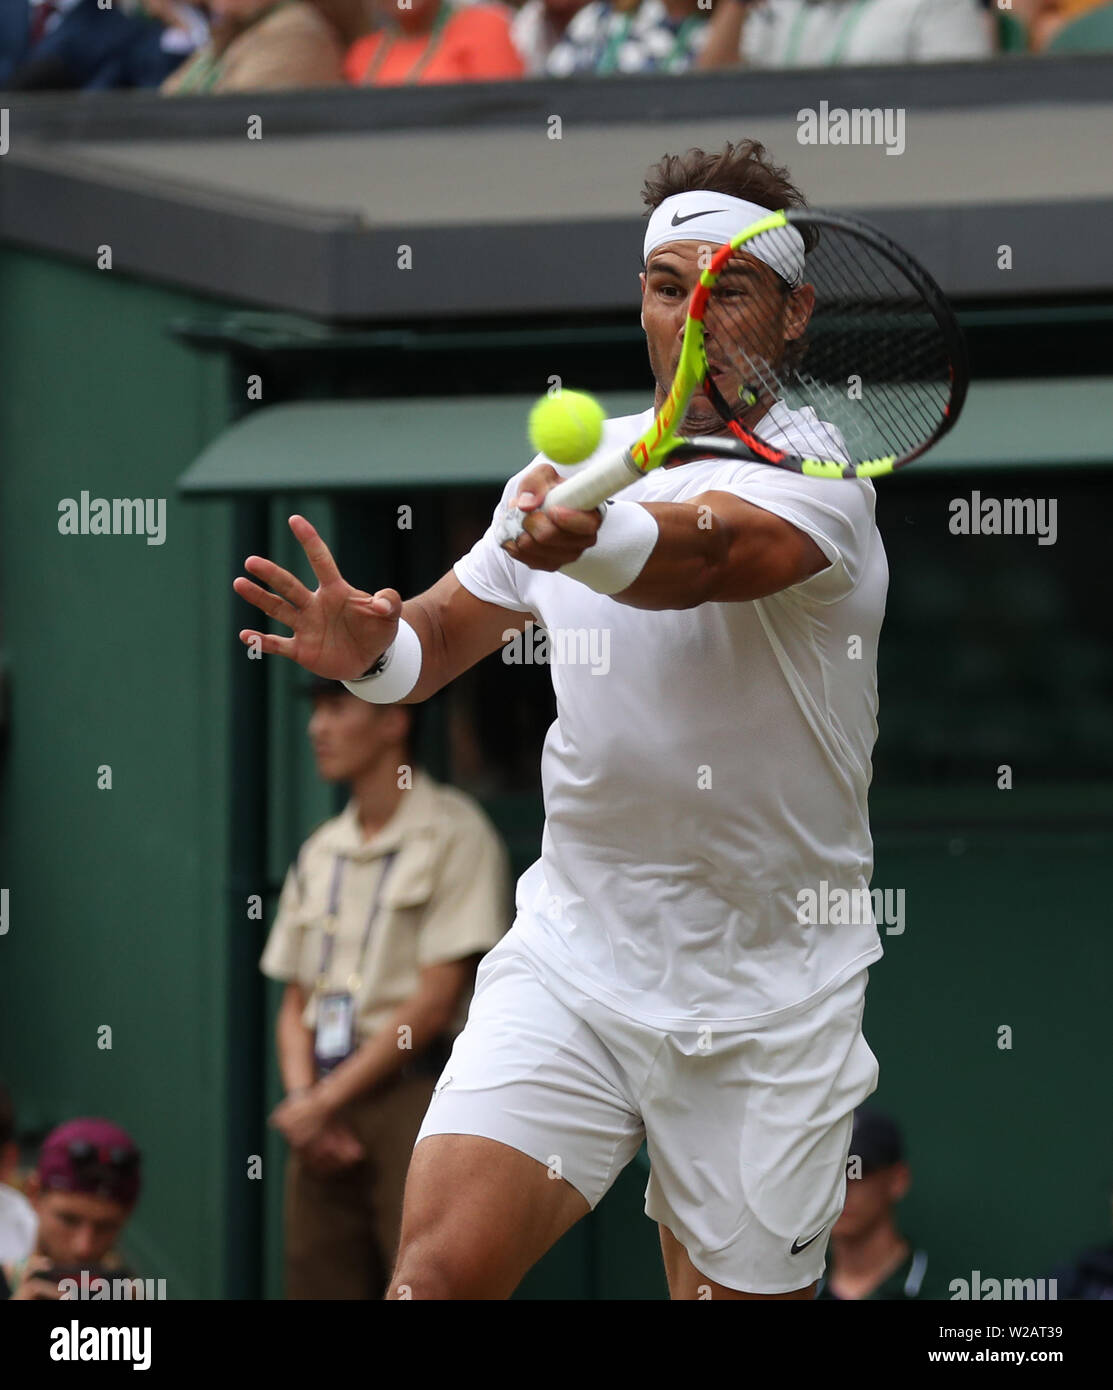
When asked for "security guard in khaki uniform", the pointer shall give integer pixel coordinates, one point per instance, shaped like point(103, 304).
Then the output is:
point(381, 923)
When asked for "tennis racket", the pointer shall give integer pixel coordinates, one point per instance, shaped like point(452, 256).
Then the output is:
point(866, 347)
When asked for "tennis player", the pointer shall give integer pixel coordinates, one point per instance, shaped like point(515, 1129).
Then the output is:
point(660, 981)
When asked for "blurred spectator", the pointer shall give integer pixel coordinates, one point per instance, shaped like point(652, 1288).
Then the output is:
point(381, 923)
point(349, 18)
point(653, 36)
point(822, 33)
point(869, 1257)
point(17, 1215)
point(1043, 19)
point(1089, 1277)
point(435, 41)
point(83, 1190)
point(538, 27)
point(183, 28)
point(59, 44)
point(260, 45)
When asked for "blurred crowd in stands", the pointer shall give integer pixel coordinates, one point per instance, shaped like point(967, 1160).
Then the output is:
point(190, 47)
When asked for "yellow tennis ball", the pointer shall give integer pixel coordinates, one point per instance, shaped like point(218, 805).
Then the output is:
point(566, 427)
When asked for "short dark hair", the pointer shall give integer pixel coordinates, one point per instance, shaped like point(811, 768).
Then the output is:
point(319, 688)
point(7, 1116)
point(742, 170)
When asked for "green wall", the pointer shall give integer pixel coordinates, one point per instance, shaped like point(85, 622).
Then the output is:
point(1011, 1148)
point(117, 911)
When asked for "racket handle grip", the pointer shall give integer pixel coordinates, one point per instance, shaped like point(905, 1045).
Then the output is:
point(585, 492)
point(594, 485)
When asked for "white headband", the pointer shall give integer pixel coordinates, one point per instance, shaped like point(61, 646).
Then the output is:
point(716, 218)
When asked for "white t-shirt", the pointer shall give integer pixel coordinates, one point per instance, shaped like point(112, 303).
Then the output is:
point(18, 1225)
point(801, 33)
point(712, 767)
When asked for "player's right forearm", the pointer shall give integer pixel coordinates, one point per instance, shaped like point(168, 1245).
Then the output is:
point(456, 630)
point(724, 35)
point(435, 666)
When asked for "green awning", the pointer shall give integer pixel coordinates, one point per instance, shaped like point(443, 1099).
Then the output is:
point(339, 446)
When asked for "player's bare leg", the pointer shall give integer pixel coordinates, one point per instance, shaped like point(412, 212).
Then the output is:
point(686, 1282)
point(477, 1216)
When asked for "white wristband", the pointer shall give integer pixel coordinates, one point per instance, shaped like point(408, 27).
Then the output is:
point(623, 544)
point(399, 674)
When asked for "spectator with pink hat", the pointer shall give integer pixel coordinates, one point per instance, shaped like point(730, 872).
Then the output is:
point(84, 1189)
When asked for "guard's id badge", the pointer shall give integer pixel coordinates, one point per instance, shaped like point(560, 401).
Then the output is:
point(335, 1036)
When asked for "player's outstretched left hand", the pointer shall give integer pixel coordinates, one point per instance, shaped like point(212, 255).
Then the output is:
point(338, 630)
point(553, 538)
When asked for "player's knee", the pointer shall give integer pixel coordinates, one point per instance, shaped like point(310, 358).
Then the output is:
point(431, 1268)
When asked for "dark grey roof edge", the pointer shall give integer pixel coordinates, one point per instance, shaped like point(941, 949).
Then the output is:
point(630, 98)
point(245, 250)
point(958, 245)
point(332, 266)
point(73, 168)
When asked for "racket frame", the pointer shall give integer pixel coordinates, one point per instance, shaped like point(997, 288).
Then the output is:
point(651, 449)
point(661, 441)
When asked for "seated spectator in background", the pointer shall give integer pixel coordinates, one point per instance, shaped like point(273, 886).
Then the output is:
point(17, 1215)
point(1043, 19)
point(380, 926)
point(1088, 1278)
point(182, 30)
point(538, 27)
point(823, 33)
point(869, 1258)
point(261, 45)
point(83, 1190)
point(349, 18)
point(653, 36)
point(51, 45)
point(435, 41)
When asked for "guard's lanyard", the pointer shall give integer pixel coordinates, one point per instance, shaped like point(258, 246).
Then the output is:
point(842, 38)
point(329, 940)
point(444, 14)
point(609, 60)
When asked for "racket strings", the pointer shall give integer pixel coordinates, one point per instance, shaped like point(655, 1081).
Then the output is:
point(898, 342)
point(872, 364)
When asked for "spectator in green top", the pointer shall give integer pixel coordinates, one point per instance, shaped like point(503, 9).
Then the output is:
point(869, 1257)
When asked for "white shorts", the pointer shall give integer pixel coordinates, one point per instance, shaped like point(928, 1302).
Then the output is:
point(747, 1132)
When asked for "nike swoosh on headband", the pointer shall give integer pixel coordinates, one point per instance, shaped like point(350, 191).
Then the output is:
point(677, 220)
